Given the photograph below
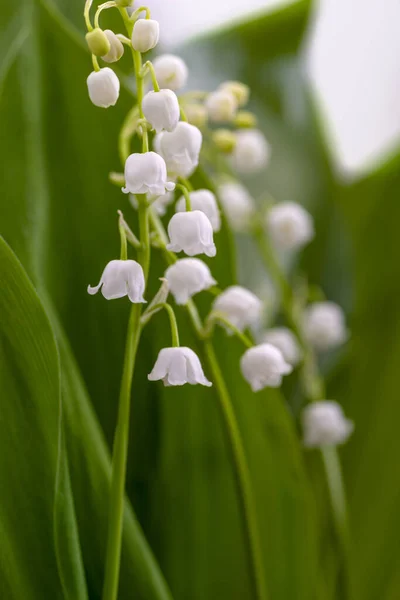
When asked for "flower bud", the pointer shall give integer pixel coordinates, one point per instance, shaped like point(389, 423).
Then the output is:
point(187, 277)
point(116, 47)
point(191, 232)
point(171, 71)
point(221, 106)
point(161, 109)
point(251, 152)
point(196, 114)
point(241, 91)
point(205, 201)
point(239, 306)
point(121, 278)
point(177, 366)
point(289, 225)
point(145, 35)
point(180, 148)
point(103, 87)
point(324, 424)
point(263, 366)
point(225, 140)
point(146, 173)
point(245, 120)
point(324, 325)
point(238, 205)
point(98, 42)
point(283, 339)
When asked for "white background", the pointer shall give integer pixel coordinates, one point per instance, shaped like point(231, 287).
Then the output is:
point(352, 57)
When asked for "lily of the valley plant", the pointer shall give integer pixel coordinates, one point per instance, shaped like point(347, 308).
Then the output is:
point(175, 131)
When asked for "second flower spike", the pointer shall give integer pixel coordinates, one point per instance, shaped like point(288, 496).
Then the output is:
point(177, 366)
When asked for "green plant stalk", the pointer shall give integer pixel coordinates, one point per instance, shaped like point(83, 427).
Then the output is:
point(240, 467)
point(314, 389)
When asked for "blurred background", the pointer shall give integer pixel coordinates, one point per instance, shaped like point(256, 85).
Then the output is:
point(325, 87)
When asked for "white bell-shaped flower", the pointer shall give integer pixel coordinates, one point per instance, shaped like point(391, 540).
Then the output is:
point(251, 152)
point(285, 340)
point(221, 106)
point(121, 278)
point(116, 47)
point(205, 201)
point(171, 71)
point(161, 109)
point(191, 232)
point(145, 34)
point(146, 173)
point(239, 306)
point(240, 90)
point(180, 148)
point(324, 325)
point(161, 203)
point(187, 277)
point(290, 225)
point(238, 205)
point(177, 366)
point(324, 424)
point(263, 366)
point(103, 87)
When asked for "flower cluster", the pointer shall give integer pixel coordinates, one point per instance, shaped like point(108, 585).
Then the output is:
point(179, 136)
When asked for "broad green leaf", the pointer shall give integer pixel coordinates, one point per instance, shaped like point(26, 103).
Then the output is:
point(35, 560)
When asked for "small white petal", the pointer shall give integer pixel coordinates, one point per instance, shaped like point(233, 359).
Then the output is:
point(290, 225)
point(180, 148)
point(177, 366)
point(161, 109)
point(145, 34)
point(191, 232)
point(171, 71)
point(146, 173)
point(324, 325)
point(205, 201)
point(238, 205)
point(103, 87)
point(325, 424)
point(121, 278)
point(239, 306)
point(187, 277)
point(263, 366)
point(283, 339)
point(251, 152)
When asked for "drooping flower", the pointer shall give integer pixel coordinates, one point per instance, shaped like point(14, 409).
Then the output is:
point(324, 424)
point(145, 34)
point(146, 173)
point(251, 152)
point(187, 277)
point(171, 71)
point(283, 339)
point(221, 106)
point(205, 201)
point(191, 232)
point(180, 148)
point(161, 109)
point(116, 47)
point(290, 225)
point(240, 91)
point(121, 278)
point(103, 87)
point(238, 205)
point(177, 366)
point(239, 306)
point(263, 366)
point(324, 325)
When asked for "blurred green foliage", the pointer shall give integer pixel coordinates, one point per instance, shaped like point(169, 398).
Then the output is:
point(62, 350)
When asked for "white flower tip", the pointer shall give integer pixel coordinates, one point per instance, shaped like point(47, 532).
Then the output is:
point(93, 290)
point(211, 250)
point(125, 190)
point(170, 186)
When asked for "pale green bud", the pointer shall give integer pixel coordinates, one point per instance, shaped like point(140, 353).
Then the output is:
point(196, 114)
point(240, 90)
point(98, 42)
point(116, 47)
point(245, 120)
point(225, 140)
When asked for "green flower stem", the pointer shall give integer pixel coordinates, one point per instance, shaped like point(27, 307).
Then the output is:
point(100, 10)
point(95, 63)
point(148, 67)
point(137, 12)
point(214, 317)
point(124, 244)
point(120, 453)
point(144, 252)
point(86, 14)
point(314, 389)
point(188, 204)
point(172, 320)
point(238, 458)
